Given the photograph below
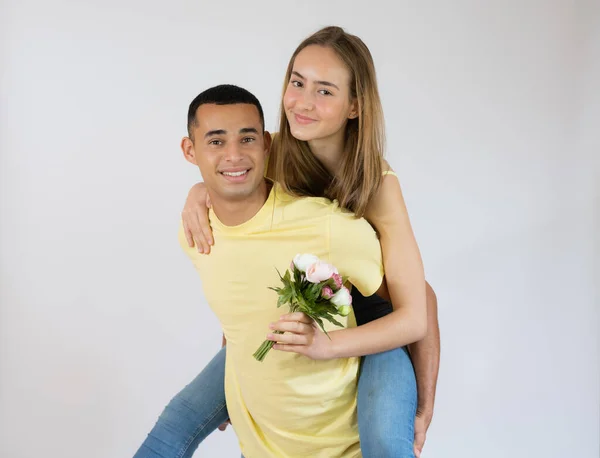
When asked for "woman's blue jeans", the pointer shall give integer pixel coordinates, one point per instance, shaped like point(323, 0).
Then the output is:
point(387, 402)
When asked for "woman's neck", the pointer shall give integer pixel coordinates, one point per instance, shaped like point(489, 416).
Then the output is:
point(329, 150)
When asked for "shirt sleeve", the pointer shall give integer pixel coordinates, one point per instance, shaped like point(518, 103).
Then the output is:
point(355, 251)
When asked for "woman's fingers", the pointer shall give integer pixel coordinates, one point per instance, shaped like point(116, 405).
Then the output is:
point(297, 316)
point(197, 234)
point(188, 233)
point(296, 327)
point(196, 229)
point(205, 230)
point(202, 244)
point(290, 338)
point(195, 219)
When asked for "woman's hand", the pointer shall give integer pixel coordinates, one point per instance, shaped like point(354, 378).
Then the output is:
point(195, 219)
point(302, 336)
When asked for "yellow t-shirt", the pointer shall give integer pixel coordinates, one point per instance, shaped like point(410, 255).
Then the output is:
point(287, 406)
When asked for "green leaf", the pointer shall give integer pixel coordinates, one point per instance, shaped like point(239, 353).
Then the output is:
point(334, 321)
point(316, 290)
point(279, 273)
point(321, 325)
point(297, 275)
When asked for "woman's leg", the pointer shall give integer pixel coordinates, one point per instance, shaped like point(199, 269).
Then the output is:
point(191, 416)
point(387, 404)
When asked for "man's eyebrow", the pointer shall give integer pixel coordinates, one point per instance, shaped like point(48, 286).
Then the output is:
point(210, 133)
point(248, 130)
point(322, 83)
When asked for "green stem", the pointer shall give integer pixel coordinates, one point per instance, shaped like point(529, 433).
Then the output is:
point(266, 346)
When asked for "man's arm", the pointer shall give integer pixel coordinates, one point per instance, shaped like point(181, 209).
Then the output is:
point(425, 355)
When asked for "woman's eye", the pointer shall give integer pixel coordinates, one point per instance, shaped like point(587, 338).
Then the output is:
point(296, 83)
point(325, 92)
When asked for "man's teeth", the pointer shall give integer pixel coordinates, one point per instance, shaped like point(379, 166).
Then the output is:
point(235, 174)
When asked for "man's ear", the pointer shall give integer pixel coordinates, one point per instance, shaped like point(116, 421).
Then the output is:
point(353, 114)
point(268, 141)
point(187, 146)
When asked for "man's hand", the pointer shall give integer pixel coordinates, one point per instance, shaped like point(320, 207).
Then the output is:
point(421, 426)
point(301, 335)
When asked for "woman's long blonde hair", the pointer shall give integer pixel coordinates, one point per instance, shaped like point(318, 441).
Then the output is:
point(360, 172)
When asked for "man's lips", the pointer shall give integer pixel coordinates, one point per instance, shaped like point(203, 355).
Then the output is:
point(235, 174)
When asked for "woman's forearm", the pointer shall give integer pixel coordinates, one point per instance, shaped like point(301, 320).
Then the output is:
point(425, 355)
point(405, 287)
point(391, 331)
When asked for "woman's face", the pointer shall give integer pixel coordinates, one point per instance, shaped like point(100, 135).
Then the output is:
point(317, 99)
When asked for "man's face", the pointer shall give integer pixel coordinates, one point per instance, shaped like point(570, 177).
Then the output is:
point(230, 149)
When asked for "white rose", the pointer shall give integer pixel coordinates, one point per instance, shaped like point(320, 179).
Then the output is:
point(303, 261)
point(342, 298)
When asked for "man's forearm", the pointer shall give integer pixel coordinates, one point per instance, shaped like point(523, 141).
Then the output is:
point(425, 355)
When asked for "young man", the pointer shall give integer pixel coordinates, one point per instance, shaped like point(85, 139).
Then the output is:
point(289, 405)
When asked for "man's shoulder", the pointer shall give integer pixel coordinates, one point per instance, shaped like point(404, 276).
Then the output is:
point(310, 205)
point(325, 213)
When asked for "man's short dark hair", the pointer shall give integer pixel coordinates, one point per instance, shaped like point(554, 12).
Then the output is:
point(224, 94)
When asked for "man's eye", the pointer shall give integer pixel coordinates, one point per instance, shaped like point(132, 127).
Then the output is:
point(215, 142)
point(248, 139)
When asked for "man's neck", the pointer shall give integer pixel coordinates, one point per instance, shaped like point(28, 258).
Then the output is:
point(236, 212)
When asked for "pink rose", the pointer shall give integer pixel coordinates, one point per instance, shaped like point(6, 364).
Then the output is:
point(320, 271)
point(338, 280)
point(327, 292)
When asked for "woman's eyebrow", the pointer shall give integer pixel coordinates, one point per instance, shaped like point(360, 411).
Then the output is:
point(323, 83)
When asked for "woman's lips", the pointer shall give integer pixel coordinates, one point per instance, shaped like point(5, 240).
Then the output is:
point(303, 119)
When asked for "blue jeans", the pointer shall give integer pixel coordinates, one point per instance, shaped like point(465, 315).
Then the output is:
point(194, 413)
point(387, 403)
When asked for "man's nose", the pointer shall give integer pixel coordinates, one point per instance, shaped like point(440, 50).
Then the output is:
point(233, 152)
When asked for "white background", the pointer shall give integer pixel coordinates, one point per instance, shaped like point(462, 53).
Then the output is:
point(492, 110)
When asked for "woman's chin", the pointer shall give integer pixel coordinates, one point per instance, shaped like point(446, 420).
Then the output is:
point(301, 134)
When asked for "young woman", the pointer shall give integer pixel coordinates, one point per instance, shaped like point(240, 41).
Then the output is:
point(330, 143)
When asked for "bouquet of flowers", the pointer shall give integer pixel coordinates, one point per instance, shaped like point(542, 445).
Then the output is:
point(313, 287)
